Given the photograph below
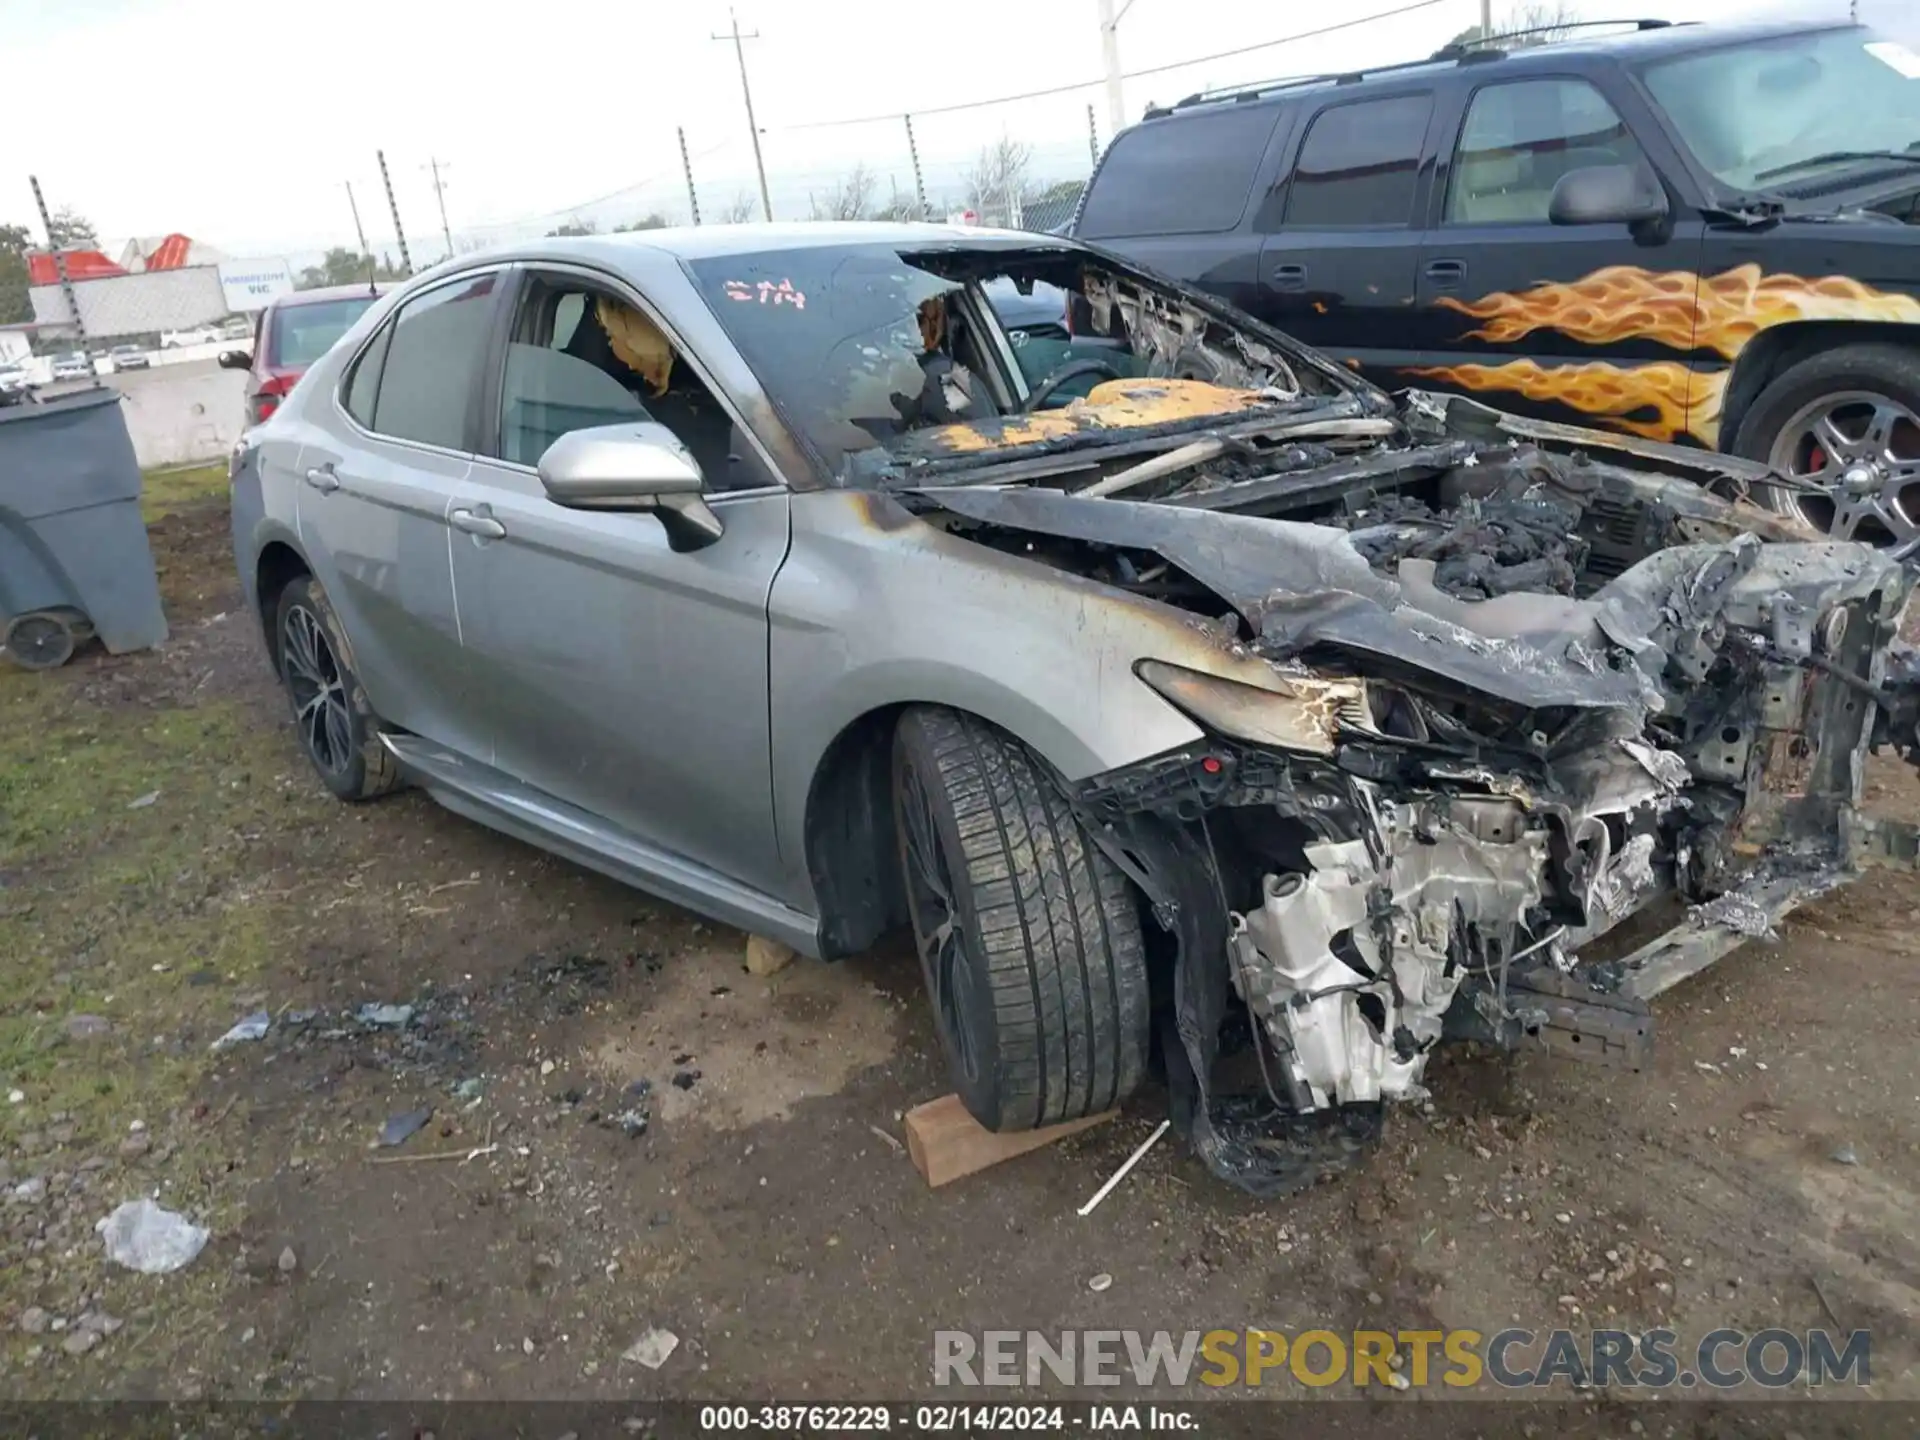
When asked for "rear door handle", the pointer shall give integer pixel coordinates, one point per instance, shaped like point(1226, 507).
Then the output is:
point(322, 478)
point(1289, 277)
point(484, 526)
point(1446, 274)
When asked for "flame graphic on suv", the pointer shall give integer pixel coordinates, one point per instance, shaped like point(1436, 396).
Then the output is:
point(1676, 308)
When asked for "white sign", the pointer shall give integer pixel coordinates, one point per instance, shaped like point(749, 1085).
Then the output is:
point(250, 285)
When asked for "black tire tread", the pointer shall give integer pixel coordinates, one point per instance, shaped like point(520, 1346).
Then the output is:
point(1058, 929)
point(377, 773)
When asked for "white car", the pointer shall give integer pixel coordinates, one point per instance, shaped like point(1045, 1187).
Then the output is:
point(73, 366)
point(199, 335)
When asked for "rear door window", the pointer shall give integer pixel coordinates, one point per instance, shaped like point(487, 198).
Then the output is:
point(363, 385)
point(433, 363)
point(1184, 175)
point(1358, 164)
point(1520, 138)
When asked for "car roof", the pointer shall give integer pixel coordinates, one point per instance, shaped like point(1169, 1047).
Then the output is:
point(705, 242)
point(1659, 40)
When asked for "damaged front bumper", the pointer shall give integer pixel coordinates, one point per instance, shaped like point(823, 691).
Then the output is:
point(1535, 885)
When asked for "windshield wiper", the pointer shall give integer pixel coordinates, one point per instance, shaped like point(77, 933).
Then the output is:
point(1834, 157)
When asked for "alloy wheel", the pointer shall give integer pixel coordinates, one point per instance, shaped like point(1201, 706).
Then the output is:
point(319, 692)
point(1862, 450)
point(936, 922)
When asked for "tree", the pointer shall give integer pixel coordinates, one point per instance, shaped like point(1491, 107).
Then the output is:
point(73, 231)
point(15, 306)
point(652, 220)
point(1538, 22)
point(999, 180)
point(739, 210)
point(900, 205)
point(341, 266)
point(851, 199)
point(576, 227)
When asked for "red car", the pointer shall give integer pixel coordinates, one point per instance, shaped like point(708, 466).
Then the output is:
point(292, 332)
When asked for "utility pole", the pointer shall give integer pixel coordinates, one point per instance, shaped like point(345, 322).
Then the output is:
point(358, 228)
point(440, 193)
point(406, 260)
point(746, 90)
point(1486, 19)
point(60, 267)
point(693, 196)
point(919, 180)
point(1110, 58)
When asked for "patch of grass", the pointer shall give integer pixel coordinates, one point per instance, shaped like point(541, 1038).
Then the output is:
point(162, 492)
point(167, 920)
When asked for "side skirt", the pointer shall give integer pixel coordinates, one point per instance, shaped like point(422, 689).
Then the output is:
point(483, 794)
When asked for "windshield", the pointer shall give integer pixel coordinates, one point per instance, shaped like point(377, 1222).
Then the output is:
point(859, 346)
point(1774, 105)
point(303, 333)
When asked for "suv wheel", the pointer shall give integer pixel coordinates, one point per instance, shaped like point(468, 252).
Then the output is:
point(1029, 938)
point(330, 711)
point(1849, 421)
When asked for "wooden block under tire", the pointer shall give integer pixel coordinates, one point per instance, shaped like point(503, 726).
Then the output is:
point(765, 956)
point(946, 1143)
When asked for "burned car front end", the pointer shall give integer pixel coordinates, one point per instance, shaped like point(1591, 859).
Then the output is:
point(1526, 724)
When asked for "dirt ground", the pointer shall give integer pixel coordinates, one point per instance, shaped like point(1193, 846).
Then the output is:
point(1764, 1171)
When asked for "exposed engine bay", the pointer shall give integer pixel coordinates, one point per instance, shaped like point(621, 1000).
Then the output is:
point(1548, 720)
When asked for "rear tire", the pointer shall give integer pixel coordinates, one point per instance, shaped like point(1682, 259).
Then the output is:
point(1029, 937)
point(331, 716)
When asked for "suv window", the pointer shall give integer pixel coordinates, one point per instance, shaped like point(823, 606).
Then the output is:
point(1180, 176)
point(1358, 163)
point(1774, 112)
point(1520, 138)
point(579, 356)
point(432, 360)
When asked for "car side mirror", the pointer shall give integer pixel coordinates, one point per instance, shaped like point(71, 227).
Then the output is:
point(640, 467)
point(1607, 195)
point(235, 360)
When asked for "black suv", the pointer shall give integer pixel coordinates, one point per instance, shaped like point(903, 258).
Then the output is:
point(1693, 233)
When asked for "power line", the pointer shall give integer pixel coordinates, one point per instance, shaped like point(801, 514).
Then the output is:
point(1129, 75)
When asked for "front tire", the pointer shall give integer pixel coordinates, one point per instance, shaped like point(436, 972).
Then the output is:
point(331, 715)
point(1848, 420)
point(1029, 937)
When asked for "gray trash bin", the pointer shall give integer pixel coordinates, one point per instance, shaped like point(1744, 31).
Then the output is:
point(74, 559)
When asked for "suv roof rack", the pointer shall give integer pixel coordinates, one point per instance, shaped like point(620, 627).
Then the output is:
point(1469, 52)
point(1483, 44)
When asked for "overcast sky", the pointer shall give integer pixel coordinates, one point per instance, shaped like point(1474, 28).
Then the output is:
point(238, 122)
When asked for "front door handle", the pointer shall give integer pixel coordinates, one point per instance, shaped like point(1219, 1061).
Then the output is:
point(484, 526)
point(322, 478)
point(1289, 277)
point(1446, 274)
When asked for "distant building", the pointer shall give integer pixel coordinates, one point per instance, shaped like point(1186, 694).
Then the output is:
point(159, 283)
point(166, 252)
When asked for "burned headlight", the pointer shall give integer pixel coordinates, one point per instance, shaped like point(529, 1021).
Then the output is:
point(1290, 712)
